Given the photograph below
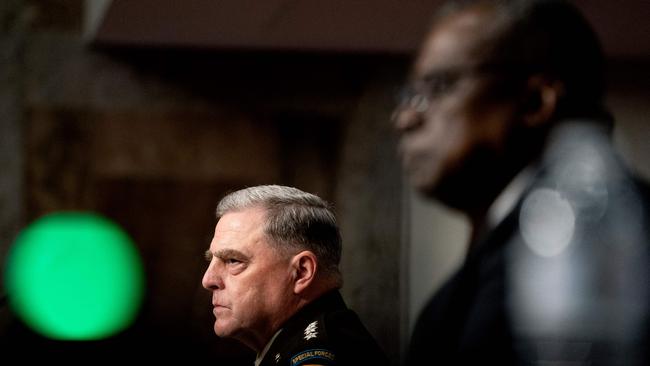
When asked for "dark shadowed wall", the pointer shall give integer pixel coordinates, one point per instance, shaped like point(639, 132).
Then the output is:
point(152, 138)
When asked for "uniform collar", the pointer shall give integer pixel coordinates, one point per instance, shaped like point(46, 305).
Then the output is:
point(260, 356)
point(331, 300)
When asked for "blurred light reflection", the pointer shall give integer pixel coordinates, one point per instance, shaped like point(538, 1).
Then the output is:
point(579, 279)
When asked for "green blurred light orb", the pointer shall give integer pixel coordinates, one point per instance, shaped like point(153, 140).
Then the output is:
point(74, 276)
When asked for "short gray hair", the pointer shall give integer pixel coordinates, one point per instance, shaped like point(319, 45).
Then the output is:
point(294, 219)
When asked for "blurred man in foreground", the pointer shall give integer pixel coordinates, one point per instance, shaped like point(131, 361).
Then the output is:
point(503, 119)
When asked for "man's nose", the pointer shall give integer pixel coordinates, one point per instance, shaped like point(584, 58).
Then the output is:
point(406, 119)
point(212, 280)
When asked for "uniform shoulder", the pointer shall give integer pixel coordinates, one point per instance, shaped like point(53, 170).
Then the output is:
point(352, 341)
point(309, 341)
point(324, 333)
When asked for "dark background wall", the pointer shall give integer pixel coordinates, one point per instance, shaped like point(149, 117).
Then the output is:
point(153, 137)
point(153, 134)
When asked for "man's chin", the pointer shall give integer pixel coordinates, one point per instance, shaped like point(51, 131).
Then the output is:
point(222, 331)
point(425, 185)
point(445, 191)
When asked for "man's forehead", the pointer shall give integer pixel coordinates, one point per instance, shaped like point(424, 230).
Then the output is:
point(455, 40)
point(239, 229)
point(244, 220)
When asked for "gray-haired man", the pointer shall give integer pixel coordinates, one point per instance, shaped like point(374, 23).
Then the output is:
point(274, 279)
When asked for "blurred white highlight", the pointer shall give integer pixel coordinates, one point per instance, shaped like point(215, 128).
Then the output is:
point(547, 222)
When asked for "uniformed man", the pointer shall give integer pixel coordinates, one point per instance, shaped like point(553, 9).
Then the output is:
point(274, 279)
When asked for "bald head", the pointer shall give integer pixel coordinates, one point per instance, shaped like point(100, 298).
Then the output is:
point(527, 37)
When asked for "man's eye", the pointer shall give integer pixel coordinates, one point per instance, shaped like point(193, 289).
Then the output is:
point(232, 261)
point(441, 84)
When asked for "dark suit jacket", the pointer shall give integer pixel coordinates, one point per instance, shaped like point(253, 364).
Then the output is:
point(563, 278)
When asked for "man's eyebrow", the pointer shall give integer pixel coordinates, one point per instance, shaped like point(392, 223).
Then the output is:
point(207, 255)
point(225, 254)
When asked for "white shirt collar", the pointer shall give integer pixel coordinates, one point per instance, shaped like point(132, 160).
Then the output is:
point(508, 198)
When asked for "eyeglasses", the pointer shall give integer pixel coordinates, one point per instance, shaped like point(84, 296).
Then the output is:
point(420, 94)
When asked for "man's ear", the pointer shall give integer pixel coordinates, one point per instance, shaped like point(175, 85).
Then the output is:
point(540, 100)
point(304, 265)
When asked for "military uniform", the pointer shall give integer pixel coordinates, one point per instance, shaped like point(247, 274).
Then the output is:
point(325, 332)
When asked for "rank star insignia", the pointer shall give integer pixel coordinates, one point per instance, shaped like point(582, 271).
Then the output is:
point(310, 331)
point(277, 357)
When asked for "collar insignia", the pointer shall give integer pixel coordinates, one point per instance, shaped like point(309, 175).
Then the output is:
point(310, 331)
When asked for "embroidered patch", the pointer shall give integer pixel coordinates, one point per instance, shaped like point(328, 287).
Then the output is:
point(310, 331)
point(311, 354)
